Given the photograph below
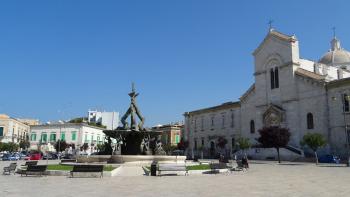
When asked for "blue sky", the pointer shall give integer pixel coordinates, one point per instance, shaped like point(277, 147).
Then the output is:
point(60, 58)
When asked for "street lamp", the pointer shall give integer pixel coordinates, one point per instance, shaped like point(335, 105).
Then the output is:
point(346, 98)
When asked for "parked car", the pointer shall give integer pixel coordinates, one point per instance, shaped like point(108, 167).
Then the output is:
point(10, 157)
point(15, 156)
point(6, 157)
point(23, 156)
point(35, 156)
point(67, 156)
point(329, 159)
point(50, 156)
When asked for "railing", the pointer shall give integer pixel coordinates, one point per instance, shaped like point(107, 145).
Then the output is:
point(294, 150)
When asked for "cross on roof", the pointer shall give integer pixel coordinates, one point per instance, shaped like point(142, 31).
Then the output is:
point(270, 24)
point(333, 28)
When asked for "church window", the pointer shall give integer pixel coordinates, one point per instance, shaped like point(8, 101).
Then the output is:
point(195, 124)
point(232, 120)
point(346, 103)
point(212, 121)
point(272, 78)
point(195, 144)
point(252, 126)
point(223, 121)
point(310, 121)
point(202, 123)
point(233, 143)
point(276, 78)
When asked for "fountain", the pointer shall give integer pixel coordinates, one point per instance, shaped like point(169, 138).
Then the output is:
point(134, 142)
point(133, 139)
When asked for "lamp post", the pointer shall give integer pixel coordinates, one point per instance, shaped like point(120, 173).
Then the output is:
point(59, 143)
point(344, 99)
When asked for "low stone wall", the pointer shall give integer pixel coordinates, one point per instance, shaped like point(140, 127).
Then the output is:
point(135, 158)
point(82, 174)
point(129, 158)
point(271, 153)
point(94, 159)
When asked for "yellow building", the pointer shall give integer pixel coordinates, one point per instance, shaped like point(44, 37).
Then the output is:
point(171, 133)
point(12, 130)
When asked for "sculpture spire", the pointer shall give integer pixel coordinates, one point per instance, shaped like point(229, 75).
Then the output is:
point(133, 87)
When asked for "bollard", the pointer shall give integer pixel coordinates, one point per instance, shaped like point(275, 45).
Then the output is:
point(154, 168)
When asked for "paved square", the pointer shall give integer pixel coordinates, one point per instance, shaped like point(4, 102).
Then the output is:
point(262, 179)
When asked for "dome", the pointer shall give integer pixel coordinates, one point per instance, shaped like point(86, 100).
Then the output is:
point(337, 55)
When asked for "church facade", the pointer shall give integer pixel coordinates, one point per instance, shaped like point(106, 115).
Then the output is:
point(289, 91)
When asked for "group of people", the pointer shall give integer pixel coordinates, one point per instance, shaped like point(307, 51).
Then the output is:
point(243, 159)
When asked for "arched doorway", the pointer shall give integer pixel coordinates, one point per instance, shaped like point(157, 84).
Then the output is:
point(212, 149)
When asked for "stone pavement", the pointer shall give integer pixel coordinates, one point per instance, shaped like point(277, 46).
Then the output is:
point(130, 171)
point(262, 179)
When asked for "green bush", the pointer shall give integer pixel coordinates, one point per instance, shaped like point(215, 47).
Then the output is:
point(11, 147)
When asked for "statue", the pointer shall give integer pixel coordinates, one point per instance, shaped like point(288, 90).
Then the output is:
point(133, 109)
point(132, 138)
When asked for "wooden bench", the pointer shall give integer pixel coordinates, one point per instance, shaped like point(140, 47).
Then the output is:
point(68, 160)
point(30, 163)
point(10, 168)
point(87, 168)
point(173, 168)
point(34, 170)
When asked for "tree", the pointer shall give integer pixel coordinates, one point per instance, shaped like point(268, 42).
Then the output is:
point(101, 147)
point(78, 120)
point(274, 137)
point(313, 141)
point(243, 143)
point(222, 142)
point(182, 145)
point(168, 148)
point(24, 144)
point(11, 147)
point(61, 145)
point(85, 147)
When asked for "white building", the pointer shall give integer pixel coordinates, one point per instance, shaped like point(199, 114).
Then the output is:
point(108, 119)
point(302, 95)
point(72, 133)
point(12, 129)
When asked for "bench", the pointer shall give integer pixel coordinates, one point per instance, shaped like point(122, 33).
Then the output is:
point(30, 163)
point(68, 160)
point(34, 170)
point(87, 168)
point(10, 168)
point(146, 171)
point(173, 168)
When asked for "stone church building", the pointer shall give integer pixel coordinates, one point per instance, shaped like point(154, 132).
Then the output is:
point(289, 91)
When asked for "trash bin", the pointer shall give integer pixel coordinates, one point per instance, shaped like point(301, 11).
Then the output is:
point(154, 168)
